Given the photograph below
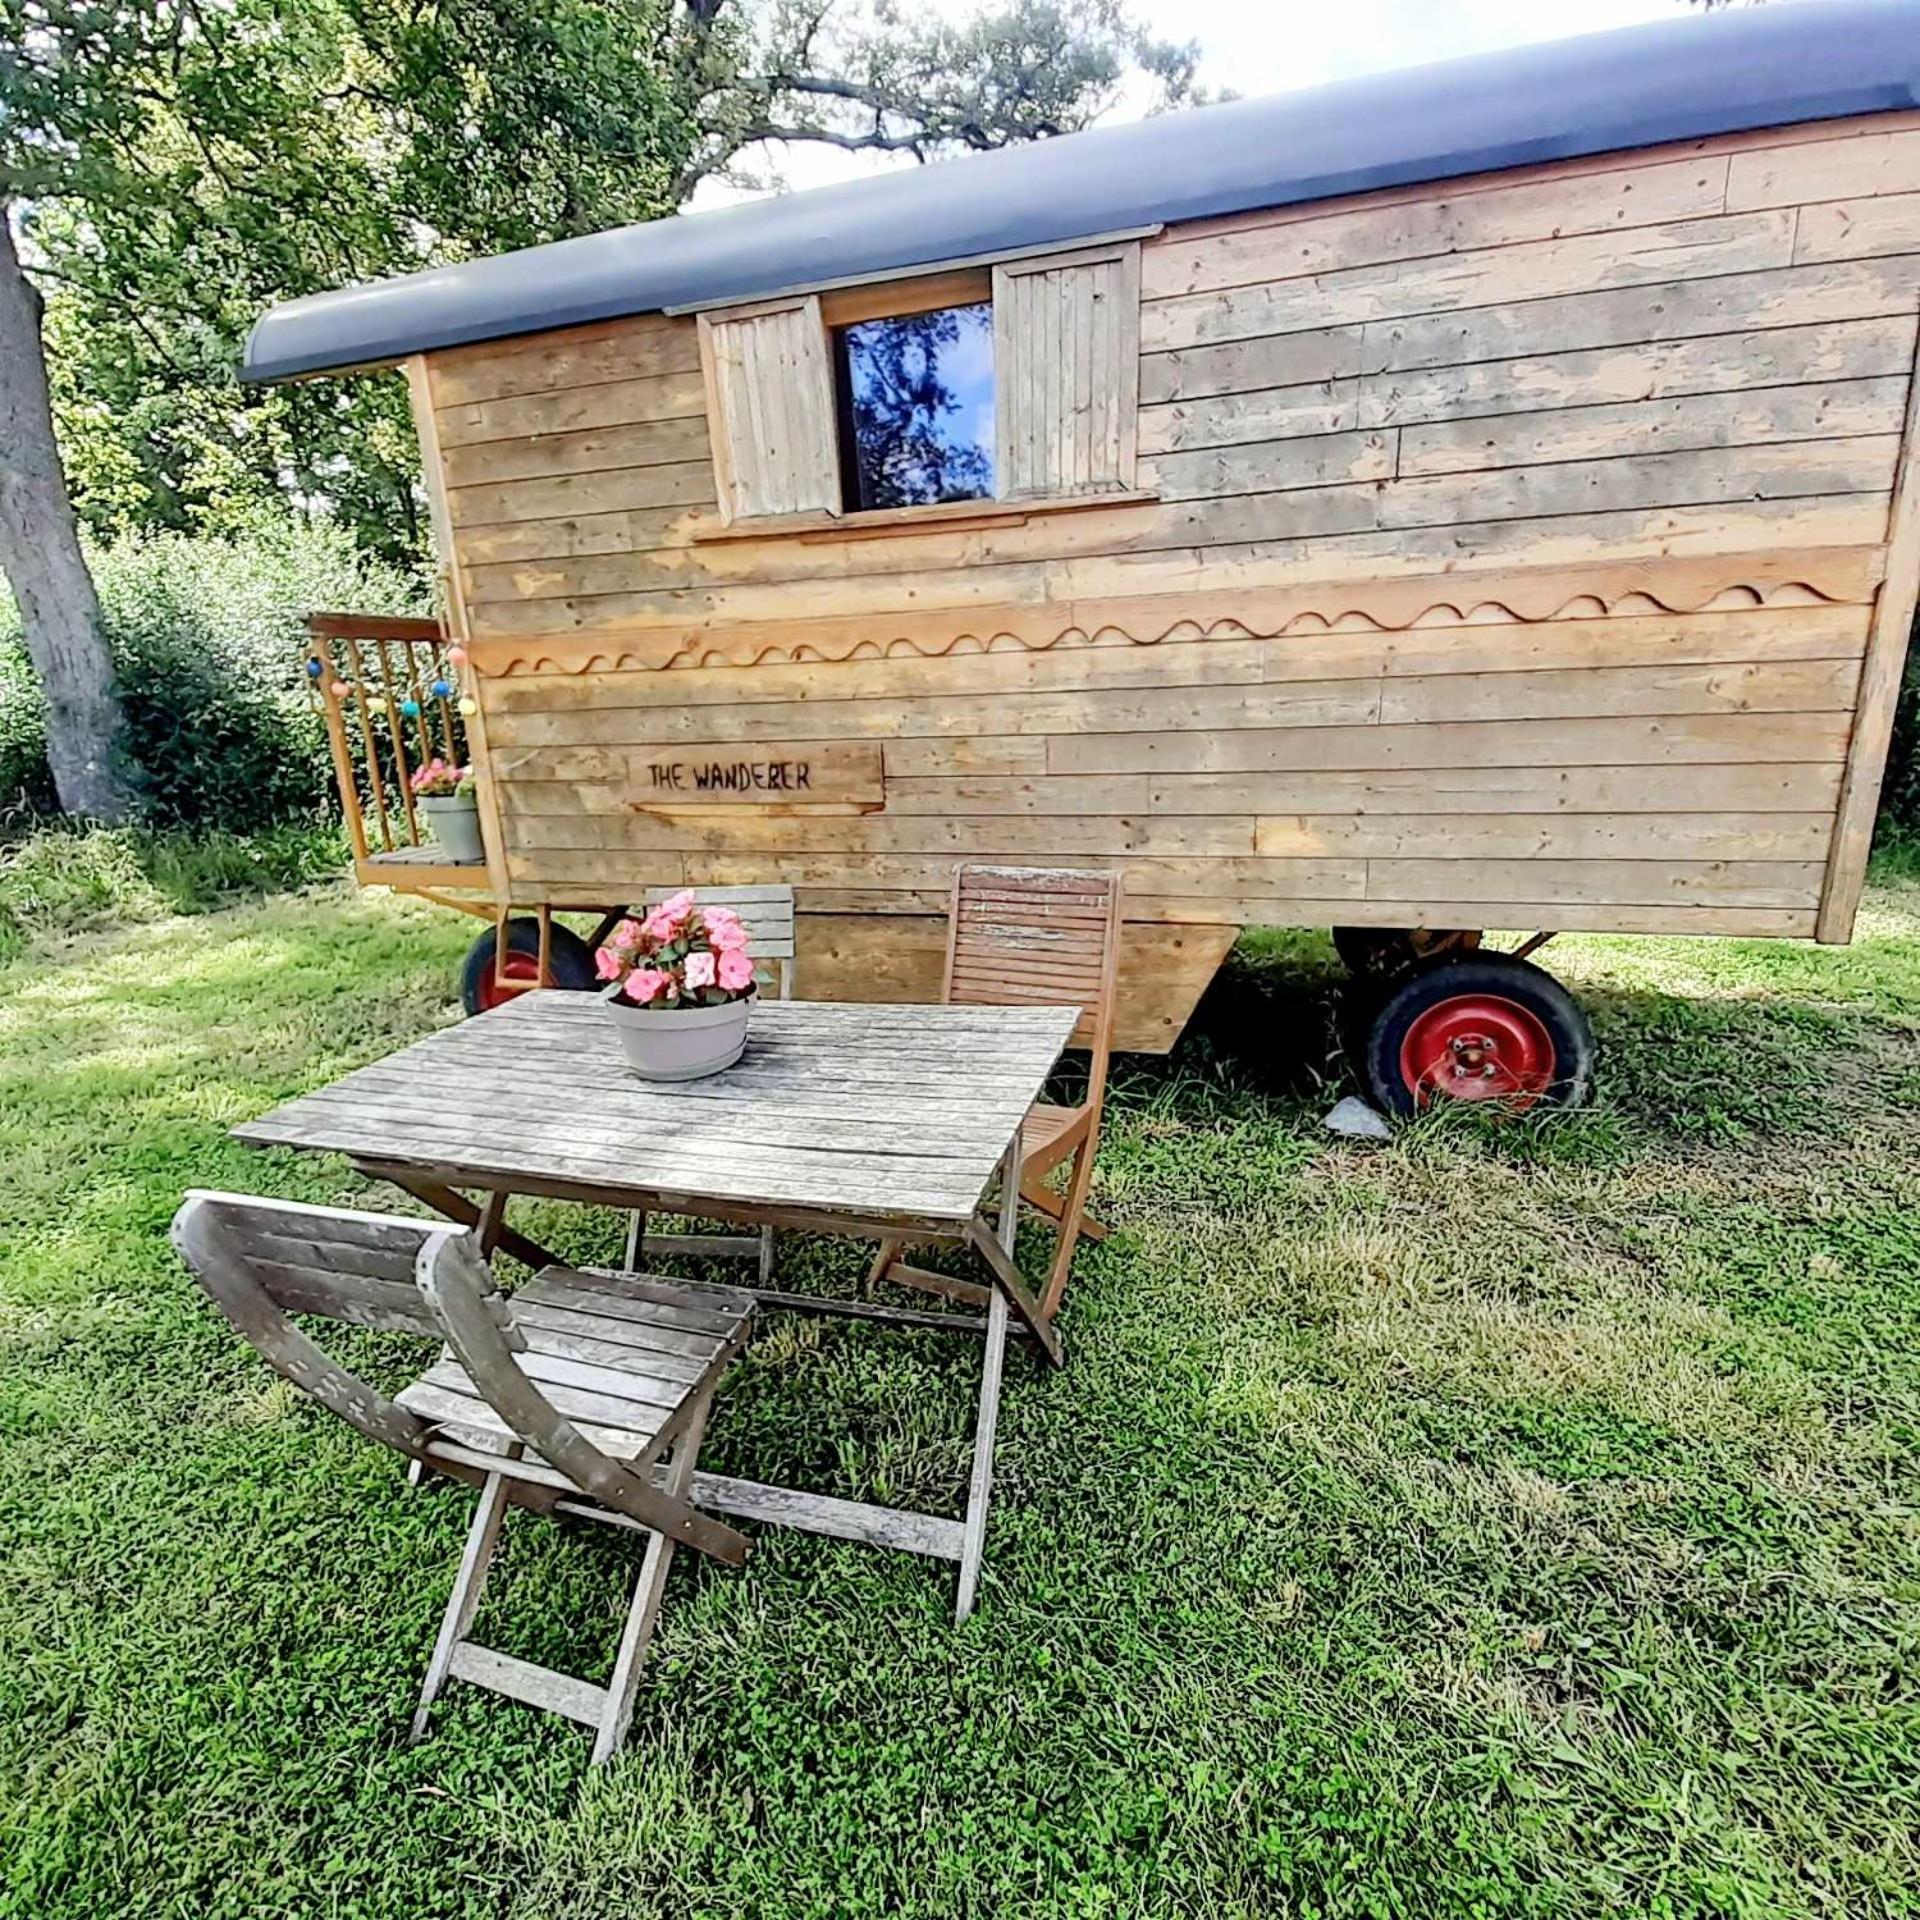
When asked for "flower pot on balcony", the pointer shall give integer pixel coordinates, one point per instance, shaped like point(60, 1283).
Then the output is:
point(454, 821)
point(678, 1043)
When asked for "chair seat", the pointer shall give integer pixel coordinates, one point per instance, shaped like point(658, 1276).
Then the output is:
point(1045, 1135)
point(619, 1354)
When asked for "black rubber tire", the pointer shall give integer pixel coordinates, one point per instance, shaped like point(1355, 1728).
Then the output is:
point(1382, 954)
point(569, 959)
point(1486, 975)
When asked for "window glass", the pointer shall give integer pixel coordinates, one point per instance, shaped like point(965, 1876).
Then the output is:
point(916, 408)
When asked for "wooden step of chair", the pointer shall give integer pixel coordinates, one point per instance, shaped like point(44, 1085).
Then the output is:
point(604, 1377)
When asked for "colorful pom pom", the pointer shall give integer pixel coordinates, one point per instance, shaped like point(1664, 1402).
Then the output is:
point(314, 669)
point(341, 689)
point(469, 706)
point(458, 655)
point(411, 708)
point(378, 702)
point(441, 690)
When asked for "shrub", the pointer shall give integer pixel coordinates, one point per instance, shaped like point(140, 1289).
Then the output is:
point(1900, 797)
point(60, 878)
point(206, 637)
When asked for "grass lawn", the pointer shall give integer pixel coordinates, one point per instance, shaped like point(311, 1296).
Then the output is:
point(1504, 1521)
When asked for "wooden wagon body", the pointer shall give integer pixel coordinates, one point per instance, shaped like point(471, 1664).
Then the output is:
point(1534, 547)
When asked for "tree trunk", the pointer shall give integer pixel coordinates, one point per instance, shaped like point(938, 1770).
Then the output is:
point(40, 555)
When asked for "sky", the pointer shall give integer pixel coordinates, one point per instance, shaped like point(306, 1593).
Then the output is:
point(1267, 48)
point(1272, 46)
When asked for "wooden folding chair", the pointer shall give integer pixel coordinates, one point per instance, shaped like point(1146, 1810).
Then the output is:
point(1046, 936)
point(587, 1393)
point(767, 914)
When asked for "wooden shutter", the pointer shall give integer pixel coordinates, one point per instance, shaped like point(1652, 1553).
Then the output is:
point(770, 409)
point(1066, 369)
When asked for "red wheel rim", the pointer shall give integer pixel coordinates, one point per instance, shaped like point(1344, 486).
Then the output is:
point(522, 971)
point(1477, 1046)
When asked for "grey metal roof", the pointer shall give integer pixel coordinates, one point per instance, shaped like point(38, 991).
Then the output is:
point(1674, 80)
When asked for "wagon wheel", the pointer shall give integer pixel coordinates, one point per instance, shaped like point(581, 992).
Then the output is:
point(569, 960)
point(1380, 954)
point(1486, 1027)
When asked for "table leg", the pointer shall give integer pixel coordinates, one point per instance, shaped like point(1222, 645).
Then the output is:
point(463, 1212)
point(973, 1542)
point(492, 1223)
point(1008, 1283)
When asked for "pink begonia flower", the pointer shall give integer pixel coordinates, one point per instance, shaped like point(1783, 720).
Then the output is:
point(699, 969)
point(626, 934)
point(644, 984)
point(606, 963)
point(736, 971)
point(667, 918)
point(724, 930)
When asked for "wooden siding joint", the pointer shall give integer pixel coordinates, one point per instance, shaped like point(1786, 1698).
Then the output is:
point(889, 522)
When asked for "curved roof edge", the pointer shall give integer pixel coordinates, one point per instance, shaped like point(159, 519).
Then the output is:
point(1634, 87)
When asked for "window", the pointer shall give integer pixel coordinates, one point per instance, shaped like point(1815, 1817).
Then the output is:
point(915, 396)
point(1019, 383)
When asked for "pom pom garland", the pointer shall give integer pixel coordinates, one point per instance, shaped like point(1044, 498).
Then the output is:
point(375, 702)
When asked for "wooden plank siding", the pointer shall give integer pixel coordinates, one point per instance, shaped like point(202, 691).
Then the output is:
point(1509, 553)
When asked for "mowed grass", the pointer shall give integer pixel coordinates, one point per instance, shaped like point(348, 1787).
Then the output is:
point(1509, 1520)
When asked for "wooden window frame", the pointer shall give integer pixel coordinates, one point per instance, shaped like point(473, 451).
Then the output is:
point(971, 284)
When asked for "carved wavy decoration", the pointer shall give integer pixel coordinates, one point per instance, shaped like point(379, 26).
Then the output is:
point(1616, 590)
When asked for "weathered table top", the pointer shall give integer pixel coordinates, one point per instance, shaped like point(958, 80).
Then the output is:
point(886, 1112)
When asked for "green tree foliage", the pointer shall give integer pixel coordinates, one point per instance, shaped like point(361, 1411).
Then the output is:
point(205, 634)
point(890, 78)
point(187, 163)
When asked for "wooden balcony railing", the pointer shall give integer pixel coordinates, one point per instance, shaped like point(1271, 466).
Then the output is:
point(391, 700)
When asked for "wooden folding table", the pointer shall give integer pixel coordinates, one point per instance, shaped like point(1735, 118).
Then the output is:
point(882, 1122)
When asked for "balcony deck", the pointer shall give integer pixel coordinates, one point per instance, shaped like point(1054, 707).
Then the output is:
point(416, 868)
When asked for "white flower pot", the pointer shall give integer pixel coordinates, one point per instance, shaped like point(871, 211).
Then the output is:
point(455, 823)
point(678, 1043)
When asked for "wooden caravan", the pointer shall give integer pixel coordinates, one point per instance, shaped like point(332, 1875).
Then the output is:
point(1324, 515)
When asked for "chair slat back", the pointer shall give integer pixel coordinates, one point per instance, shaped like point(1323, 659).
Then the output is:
point(341, 1265)
point(1038, 936)
point(765, 911)
point(261, 1260)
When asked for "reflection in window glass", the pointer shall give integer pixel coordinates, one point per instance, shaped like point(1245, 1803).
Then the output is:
point(916, 408)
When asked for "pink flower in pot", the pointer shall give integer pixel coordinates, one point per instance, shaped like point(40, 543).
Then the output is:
point(679, 986)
